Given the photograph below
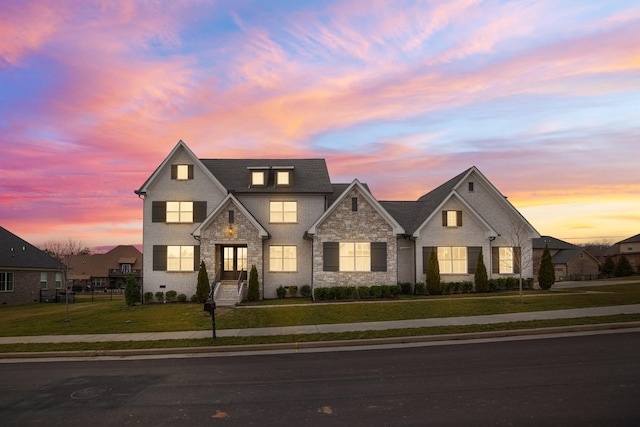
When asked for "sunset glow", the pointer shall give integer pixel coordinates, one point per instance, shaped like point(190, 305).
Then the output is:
point(542, 96)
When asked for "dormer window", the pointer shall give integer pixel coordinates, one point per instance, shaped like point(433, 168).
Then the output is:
point(283, 175)
point(258, 179)
point(181, 172)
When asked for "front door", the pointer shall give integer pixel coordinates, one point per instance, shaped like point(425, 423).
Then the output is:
point(234, 260)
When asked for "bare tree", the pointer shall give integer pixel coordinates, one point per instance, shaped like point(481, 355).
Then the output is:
point(521, 238)
point(64, 251)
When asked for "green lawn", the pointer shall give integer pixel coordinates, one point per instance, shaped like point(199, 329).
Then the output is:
point(107, 316)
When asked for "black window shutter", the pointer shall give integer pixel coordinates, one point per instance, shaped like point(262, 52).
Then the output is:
point(444, 218)
point(158, 211)
point(495, 260)
point(199, 211)
point(516, 259)
point(159, 258)
point(331, 256)
point(379, 256)
point(472, 258)
point(174, 171)
point(426, 253)
point(459, 218)
point(196, 258)
point(190, 172)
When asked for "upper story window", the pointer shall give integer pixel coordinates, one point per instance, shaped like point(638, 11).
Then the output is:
point(181, 172)
point(471, 186)
point(283, 211)
point(258, 178)
point(452, 218)
point(180, 212)
point(125, 268)
point(283, 178)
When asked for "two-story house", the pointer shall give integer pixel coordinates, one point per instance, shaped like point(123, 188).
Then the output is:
point(287, 218)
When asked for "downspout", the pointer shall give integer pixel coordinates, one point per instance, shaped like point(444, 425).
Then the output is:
point(491, 239)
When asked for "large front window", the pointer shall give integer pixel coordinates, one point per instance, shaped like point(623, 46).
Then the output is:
point(282, 258)
point(452, 260)
point(6, 282)
point(283, 212)
point(506, 260)
point(180, 212)
point(355, 256)
point(180, 258)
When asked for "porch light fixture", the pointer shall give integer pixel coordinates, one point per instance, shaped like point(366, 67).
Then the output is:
point(230, 230)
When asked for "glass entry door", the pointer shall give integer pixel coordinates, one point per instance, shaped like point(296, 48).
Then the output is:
point(234, 260)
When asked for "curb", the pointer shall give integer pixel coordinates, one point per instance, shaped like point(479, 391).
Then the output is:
point(296, 346)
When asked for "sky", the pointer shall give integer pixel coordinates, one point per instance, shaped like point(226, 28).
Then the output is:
point(542, 96)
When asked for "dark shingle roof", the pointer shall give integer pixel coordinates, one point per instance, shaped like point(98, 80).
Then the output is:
point(18, 253)
point(565, 255)
point(632, 239)
point(410, 215)
point(309, 175)
point(552, 243)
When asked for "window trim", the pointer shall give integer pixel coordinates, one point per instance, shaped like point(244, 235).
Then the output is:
point(43, 283)
point(180, 213)
point(364, 264)
point(286, 173)
point(448, 215)
point(7, 285)
point(178, 168)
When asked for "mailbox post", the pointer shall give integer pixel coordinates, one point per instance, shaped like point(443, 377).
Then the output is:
point(210, 306)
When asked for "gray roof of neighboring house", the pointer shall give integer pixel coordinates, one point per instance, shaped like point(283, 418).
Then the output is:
point(309, 175)
point(18, 253)
point(85, 266)
point(552, 243)
point(632, 239)
point(565, 255)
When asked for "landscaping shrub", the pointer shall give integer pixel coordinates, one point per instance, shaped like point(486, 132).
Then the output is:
point(281, 291)
point(406, 288)
point(480, 277)
point(305, 291)
point(467, 287)
point(148, 297)
point(131, 290)
point(171, 296)
point(395, 291)
point(434, 286)
point(320, 294)
point(376, 291)
point(623, 267)
point(364, 292)
point(160, 296)
point(194, 298)
point(253, 293)
point(202, 288)
point(293, 291)
point(546, 273)
point(419, 288)
point(182, 298)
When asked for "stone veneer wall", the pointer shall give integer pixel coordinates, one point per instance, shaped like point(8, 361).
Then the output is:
point(344, 225)
point(244, 233)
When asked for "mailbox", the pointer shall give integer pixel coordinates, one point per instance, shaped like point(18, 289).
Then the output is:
point(209, 306)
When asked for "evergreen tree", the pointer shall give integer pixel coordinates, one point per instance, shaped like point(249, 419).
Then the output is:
point(131, 290)
point(480, 277)
point(623, 267)
point(434, 286)
point(546, 273)
point(253, 294)
point(203, 288)
point(608, 267)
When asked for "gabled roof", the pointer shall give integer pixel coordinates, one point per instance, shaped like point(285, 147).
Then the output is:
point(338, 189)
point(18, 253)
point(490, 231)
point(262, 232)
point(397, 228)
point(180, 146)
point(564, 256)
point(309, 175)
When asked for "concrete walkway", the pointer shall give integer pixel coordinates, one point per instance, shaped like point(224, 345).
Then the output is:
point(328, 328)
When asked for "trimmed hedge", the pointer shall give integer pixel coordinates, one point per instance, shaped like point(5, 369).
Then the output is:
point(354, 293)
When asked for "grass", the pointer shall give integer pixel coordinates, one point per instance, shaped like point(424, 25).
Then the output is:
point(108, 316)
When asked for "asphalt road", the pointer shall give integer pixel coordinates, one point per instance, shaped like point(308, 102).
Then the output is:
point(581, 380)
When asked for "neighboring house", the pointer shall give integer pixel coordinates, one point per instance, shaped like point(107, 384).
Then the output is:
point(105, 271)
point(288, 219)
point(570, 262)
point(25, 270)
point(630, 248)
